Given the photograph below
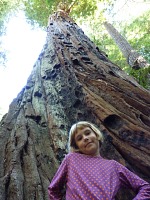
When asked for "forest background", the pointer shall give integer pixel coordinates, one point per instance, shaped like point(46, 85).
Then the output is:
point(131, 18)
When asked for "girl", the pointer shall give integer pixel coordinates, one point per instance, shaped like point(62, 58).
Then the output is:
point(87, 176)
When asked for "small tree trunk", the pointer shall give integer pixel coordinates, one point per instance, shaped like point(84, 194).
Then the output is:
point(72, 80)
point(134, 59)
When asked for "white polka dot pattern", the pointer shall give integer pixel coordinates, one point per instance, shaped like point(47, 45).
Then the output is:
point(94, 178)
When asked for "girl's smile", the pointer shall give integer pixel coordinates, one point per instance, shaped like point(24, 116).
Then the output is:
point(87, 141)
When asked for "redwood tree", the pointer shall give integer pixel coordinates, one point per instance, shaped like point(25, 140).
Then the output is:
point(72, 80)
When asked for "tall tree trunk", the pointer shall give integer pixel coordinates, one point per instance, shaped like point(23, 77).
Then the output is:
point(134, 59)
point(72, 80)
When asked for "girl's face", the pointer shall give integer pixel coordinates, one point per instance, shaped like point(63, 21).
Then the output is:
point(87, 142)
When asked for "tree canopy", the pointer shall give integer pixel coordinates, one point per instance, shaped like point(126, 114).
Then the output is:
point(90, 15)
point(38, 11)
point(7, 8)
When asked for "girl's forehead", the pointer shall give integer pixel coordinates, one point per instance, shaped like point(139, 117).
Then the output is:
point(81, 130)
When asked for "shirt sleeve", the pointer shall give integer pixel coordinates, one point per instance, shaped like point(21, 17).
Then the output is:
point(131, 180)
point(58, 182)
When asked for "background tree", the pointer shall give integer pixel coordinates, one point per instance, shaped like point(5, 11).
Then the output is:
point(134, 59)
point(136, 32)
point(72, 80)
point(139, 41)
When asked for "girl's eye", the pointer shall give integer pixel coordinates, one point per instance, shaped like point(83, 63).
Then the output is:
point(79, 138)
point(87, 133)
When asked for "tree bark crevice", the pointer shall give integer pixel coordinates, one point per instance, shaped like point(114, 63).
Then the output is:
point(71, 81)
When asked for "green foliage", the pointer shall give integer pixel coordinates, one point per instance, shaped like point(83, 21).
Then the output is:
point(136, 33)
point(89, 14)
point(141, 76)
point(7, 7)
point(38, 11)
point(84, 8)
point(4, 10)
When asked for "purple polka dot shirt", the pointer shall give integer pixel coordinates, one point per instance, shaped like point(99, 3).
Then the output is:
point(94, 178)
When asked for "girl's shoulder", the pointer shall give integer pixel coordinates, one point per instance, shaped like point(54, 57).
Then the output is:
point(71, 155)
point(74, 156)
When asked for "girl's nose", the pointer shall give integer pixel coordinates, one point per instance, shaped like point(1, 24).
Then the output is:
point(85, 138)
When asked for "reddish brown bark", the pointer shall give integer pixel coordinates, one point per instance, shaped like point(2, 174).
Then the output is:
point(72, 80)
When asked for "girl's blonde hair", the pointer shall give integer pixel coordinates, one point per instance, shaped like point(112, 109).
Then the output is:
point(80, 125)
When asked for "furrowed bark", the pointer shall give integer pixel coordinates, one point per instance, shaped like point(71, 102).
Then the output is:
point(72, 80)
